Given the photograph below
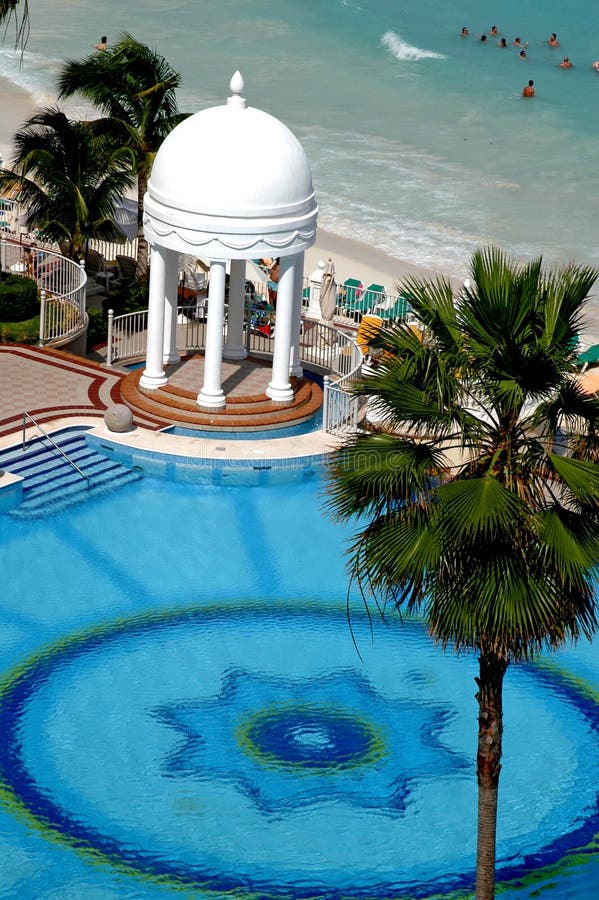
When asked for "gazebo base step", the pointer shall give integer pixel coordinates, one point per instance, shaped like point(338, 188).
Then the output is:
point(176, 405)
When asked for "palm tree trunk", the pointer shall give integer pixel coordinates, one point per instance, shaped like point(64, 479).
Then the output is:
point(142, 244)
point(488, 766)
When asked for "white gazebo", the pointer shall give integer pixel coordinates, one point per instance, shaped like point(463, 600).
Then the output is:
point(230, 183)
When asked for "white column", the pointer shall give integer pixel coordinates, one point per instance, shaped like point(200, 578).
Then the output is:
point(153, 376)
point(170, 354)
point(295, 366)
point(234, 347)
point(211, 396)
point(280, 389)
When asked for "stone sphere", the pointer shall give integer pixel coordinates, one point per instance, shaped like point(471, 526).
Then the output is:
point(118, 417)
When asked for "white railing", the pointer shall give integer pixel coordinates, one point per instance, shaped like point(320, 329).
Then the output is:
point(127, 334)
point(322, 346)
point(341, 409)
point(61, 282)
point(353, 302)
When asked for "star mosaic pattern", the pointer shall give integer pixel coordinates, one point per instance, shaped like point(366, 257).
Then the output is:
point(291, 744)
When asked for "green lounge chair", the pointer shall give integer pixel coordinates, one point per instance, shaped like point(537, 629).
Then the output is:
point(353, 294)
point(588, 357)
point(374, 295)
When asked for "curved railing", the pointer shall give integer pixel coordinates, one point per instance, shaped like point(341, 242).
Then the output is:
point(61, 282)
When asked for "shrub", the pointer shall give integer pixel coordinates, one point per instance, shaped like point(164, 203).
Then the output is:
point(25, 332)
point(18, 298)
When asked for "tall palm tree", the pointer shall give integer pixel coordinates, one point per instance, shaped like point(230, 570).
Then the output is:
point(135, 89)
point(479, 506)
point(69, 178)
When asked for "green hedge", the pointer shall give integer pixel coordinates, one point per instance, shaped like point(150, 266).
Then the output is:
point(18, 298)
point(26, 332)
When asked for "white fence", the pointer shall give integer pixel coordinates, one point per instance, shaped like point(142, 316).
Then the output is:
point(61, 282)
point(109, 249)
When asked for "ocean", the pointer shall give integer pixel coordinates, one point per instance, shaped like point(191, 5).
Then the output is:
point(420, 141)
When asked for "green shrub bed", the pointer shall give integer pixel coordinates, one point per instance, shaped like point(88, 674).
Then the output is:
point(18, 298)
point(26, 332)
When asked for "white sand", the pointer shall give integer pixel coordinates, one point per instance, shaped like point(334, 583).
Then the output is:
point(353, 259)
point(16, 107)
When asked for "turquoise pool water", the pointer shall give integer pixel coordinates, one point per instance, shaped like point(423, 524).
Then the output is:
point(183, 709)
point(314, 423)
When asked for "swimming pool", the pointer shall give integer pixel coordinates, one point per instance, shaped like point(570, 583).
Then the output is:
point(183, 709)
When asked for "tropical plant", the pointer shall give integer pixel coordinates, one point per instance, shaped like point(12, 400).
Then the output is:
point(479, 506)
point(69, 177)
point(19, 11)
point(135, 89)
point(18, 297)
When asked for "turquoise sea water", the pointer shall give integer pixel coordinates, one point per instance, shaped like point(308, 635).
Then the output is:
point(420, 142)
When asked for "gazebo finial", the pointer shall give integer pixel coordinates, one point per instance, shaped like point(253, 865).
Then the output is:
point(236, 87)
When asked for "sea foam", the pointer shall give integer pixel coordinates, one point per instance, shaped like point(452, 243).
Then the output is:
point(400, 49)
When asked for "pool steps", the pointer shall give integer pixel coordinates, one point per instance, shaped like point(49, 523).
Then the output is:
point(50, 483)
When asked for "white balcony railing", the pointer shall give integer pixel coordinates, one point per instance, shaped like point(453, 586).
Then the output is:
point(61, 283)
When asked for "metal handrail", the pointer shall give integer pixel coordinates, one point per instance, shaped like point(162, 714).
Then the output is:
point(26, 416)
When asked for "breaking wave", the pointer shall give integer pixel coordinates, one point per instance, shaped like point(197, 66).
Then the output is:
point(400, 49)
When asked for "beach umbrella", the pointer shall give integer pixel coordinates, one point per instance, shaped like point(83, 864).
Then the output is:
point(328, 291)
point(125, 216)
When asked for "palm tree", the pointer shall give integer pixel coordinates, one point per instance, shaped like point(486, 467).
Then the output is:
point(69, 178)
point(19, 10)
point(480, 502)
point(135, 88)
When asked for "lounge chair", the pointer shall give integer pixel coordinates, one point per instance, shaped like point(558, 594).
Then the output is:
point(374, 296)
point(94, 262)
point(352, 296)
point(588, 357)
point(127, 268)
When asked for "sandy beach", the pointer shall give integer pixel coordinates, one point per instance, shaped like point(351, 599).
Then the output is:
point(16, 106)
point(354, 259)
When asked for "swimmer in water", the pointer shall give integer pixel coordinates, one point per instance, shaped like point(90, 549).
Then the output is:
point(529, 90)
point(565, 63)
point(464, 32)
point(553, 41)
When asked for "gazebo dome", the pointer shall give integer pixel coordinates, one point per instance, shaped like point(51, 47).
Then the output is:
point(231, 181)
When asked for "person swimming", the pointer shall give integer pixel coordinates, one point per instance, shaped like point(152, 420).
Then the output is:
point(493, 32)
point(553, 41)
point(529, 90)
point(565, 64)
point(523, 54)
point(464, 32)
point(103, 43)
point(483, 38)
point(518, 43)
point(502, 43)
